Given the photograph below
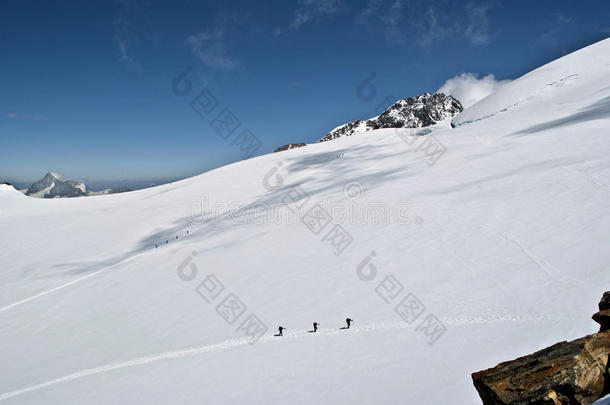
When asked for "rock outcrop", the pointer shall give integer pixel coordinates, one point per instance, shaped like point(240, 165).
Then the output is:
point(413, 112)
point(290, 146)
point(603, 315)
point(567, 373)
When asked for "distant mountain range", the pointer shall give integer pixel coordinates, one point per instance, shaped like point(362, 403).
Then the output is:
point(52, 186)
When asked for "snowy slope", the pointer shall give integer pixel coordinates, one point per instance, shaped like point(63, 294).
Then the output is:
point(504, 239)
point(542, 83)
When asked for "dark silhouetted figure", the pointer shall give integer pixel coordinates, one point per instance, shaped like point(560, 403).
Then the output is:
point(315, 326)
point(281, 329)
point(348, 321)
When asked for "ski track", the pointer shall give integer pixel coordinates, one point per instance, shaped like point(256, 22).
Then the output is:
point(521, 101)
point(69, 283)
point(545, 266)
point(589, 177)
point(550, 270)
point(233, 343)
point(78, 280)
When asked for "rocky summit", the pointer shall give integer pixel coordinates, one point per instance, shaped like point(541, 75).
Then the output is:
point(413, 112)
point(566, 373)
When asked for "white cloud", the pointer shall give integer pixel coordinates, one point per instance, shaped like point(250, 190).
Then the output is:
point(36, 117)
point(391, 21)
point(427, 23)
point(468, 88)
point(470, 24)
point(210, 48)
point(477, 28)
point(313, 10)
point(384, 16)
point(432, 30)
point(124, 35)
point(557, 24)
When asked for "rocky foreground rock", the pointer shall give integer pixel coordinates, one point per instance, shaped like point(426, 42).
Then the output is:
point(567, 373)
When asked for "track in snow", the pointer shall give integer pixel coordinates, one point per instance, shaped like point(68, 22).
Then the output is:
point(232, 343)
point(69, 283)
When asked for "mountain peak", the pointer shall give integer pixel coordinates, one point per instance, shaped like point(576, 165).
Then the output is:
point(54, 175)
point(413, 112)
point(51, 186)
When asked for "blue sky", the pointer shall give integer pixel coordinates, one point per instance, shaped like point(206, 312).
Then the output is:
point(86, 87)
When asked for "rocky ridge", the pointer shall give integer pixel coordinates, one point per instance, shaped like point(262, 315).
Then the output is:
point(566, 373)
point(412, 112)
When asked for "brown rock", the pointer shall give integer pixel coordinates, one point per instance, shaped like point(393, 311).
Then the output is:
point(603, 318)
point(567, 373)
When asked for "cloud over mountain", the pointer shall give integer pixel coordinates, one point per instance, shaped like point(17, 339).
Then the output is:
point(469, 88)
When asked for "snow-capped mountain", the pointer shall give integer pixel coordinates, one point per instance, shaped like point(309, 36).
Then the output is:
point(51, 186)
point(413, 112)
point(447, 264)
